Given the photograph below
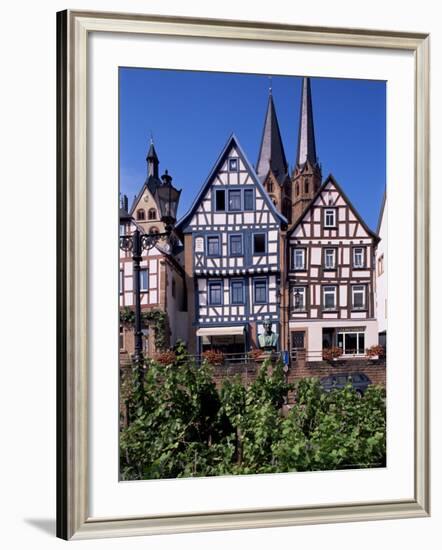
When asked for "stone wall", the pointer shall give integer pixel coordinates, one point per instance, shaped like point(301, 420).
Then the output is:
point(375, 370)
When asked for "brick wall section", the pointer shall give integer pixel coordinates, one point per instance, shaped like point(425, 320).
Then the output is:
point(375, 370)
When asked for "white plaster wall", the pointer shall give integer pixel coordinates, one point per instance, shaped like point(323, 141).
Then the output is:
point(381, 280)
point(314, 328)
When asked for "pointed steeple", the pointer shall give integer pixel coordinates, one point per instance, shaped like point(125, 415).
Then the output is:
point(271, 153)
point(152, 161)
point(306, 177)
point(306, 138)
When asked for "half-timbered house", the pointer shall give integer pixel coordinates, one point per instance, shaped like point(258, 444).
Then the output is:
point(162, 283)
point(331, 277)
point(232, 256)
point(330, 259)
point(381, 274)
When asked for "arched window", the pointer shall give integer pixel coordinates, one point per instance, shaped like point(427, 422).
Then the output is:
point(152, 214)
point(270, 186)
point(141, 214)
point(297, 189)
point(306, 185)
point(154, 230)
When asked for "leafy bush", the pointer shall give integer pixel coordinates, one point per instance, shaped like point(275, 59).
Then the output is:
point(183, 426)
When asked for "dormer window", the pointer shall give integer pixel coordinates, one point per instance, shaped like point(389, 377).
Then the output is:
point(270, 187)
point(233, 165)
point(152, 214)
point(306, 185)
point(330, 217)
point(141, 214)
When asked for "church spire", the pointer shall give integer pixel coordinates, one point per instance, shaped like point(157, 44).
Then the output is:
point(306, 137)
point(152, 161)
point(271, 154)
point(307, 176)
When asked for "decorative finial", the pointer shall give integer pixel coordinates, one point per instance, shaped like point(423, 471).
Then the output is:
point(270, 85)
point(151, 137)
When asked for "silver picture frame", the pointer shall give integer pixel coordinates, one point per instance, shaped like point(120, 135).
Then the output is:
point(73, 517)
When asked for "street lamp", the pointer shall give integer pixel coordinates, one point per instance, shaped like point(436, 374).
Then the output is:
point(167, 198)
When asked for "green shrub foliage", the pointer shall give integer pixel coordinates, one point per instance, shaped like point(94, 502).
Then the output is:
point(184, 427)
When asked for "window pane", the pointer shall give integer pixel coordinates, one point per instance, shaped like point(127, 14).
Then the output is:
point(233, 165)
point(236, 245)
point(215, 293)
point(260, 291)
point(329, 218)
point(213, 246)
point(351, 345)
point(220, 200)
point(361, 343)
point(248, 199)
point(358, 257)
point(259, 243)
point(299, 258)
point(299, 297)
point(235, 200)
point(329, 258)
point(237, 292)
point(143, 279)
point(329, 297)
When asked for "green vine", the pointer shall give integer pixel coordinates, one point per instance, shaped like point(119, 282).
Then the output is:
point(156, 317)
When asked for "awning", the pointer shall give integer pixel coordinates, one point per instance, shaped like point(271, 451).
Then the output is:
point(220, 331)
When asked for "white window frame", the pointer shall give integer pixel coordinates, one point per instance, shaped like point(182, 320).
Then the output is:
point(332, 212)
point(303, 292)
point(363, 289)
point(121, 282)
point(303, 254)
point(144, 270)
point(358, 333)
point(326, 291)
point(362, 264)
point(333, 255)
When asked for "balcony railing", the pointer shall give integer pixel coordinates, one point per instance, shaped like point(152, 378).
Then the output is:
point(232, 359)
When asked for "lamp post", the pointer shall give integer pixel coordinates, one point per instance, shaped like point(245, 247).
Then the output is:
point(167, 198)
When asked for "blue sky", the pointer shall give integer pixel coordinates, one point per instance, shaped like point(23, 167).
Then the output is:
point(192, 114)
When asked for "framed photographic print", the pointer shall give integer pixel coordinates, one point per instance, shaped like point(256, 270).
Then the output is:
point(242, 275)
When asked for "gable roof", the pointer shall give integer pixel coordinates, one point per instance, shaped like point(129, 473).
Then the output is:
point(381, 213)
point(151, 183)
point(331, 179)
point(231, 142)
